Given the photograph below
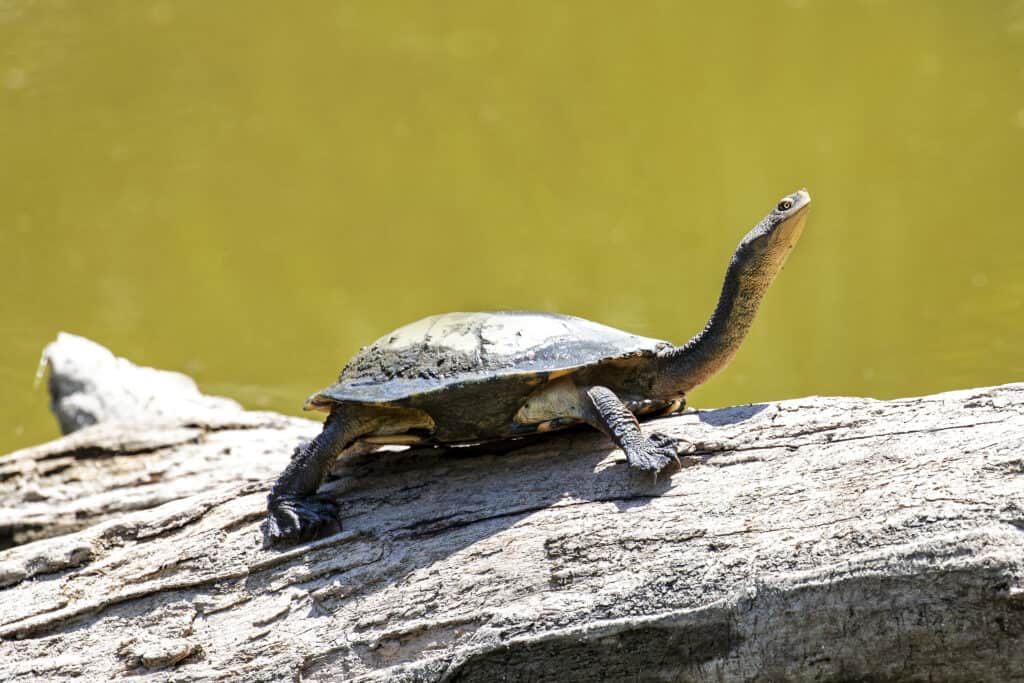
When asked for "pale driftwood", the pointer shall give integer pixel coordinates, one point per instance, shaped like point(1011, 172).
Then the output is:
point(89, 385)
point(818, 539)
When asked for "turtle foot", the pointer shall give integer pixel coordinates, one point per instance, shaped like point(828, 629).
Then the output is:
point(657, 452)
point(679, 445)
point(293, 519)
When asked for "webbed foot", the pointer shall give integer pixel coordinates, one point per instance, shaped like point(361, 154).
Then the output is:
point(656, 453)
point(293, 519)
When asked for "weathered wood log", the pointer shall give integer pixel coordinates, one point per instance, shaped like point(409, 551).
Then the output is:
point(814, 539)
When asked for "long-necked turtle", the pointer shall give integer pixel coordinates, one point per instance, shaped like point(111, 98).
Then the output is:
point(472, 377)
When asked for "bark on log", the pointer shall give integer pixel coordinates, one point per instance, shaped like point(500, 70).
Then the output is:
point(814, 539)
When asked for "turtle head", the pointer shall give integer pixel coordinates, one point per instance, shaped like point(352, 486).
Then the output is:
point(763, 251)
point(757, 260)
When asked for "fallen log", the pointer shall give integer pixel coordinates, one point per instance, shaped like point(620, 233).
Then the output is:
point(811, 539)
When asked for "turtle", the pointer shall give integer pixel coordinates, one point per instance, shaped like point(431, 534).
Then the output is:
point(465, 378)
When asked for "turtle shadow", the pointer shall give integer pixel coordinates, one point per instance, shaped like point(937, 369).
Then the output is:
point(722, 417)
point(608, 471)
point(577, 464)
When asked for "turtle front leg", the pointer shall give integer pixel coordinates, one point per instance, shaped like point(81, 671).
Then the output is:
point(603, 410)
point(294, 510)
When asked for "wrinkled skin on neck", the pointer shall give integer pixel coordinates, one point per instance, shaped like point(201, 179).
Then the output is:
point(753, 268)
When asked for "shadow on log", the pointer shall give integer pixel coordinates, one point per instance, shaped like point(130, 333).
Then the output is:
point(813, 539)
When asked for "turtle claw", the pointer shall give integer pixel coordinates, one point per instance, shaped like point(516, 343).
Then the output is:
point(679, 445)
point(294, 519)
point(662, 440)
point(657, 452)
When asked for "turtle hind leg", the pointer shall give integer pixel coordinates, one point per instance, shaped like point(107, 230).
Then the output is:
point(295, 512)
point(603, 410)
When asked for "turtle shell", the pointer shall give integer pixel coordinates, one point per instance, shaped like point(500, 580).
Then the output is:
point(479, 367)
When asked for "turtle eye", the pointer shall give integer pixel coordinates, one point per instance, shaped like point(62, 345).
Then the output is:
point(785, 205)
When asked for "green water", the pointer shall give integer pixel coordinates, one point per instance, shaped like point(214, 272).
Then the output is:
point(249, 192)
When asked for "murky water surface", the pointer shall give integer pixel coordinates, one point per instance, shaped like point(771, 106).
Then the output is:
point(249, 193)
